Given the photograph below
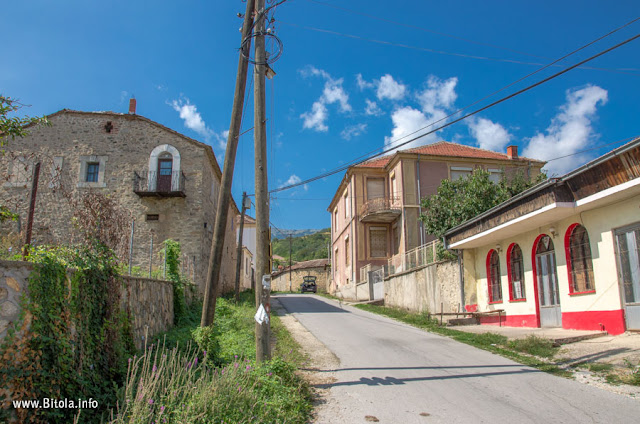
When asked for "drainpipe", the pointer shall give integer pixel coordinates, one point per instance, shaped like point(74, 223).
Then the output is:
point(420, 227)
point(461, 271)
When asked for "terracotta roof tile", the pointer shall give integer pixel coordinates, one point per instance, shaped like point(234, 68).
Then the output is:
point(443, 148)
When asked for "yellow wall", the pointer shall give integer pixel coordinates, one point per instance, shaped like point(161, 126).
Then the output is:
point(600, 224)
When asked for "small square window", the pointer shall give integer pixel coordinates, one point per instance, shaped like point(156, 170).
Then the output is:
point(92, 172)
point(153, 217)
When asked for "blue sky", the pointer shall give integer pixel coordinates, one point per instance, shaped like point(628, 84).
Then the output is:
point(337, 94)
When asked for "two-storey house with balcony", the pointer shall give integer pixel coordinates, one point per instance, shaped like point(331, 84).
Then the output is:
point(376, 208)
point(168, 182)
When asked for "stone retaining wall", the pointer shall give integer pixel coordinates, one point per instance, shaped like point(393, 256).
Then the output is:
point(150, 301)
point(426, 289)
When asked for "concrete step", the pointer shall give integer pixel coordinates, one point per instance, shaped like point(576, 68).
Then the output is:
point(566, 340)
point(462, 321)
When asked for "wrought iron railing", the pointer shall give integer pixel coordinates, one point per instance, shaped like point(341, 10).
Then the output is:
point(414, 258)
point(380, 204)
point(152, 183)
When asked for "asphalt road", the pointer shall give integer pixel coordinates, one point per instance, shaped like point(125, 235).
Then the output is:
point(395, 373)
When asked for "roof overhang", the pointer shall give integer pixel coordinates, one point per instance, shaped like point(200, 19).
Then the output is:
point(549, 214)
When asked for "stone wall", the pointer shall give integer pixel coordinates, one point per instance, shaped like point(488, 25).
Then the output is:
point(151, 306)
point(13, 283)
point(280, 281)
point(358, 291)
point(150, 301)
point(425, 289)
point(77, 138)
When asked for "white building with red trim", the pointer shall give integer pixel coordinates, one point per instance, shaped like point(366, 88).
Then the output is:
point(564, 253)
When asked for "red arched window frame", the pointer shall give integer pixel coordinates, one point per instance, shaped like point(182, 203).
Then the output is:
point(493, 277)
point(571, 265)
point(510, 274)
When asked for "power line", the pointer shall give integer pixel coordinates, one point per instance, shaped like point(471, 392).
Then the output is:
point(442, 52)
point(366, 156)
point(444, 34)
point(503, 99)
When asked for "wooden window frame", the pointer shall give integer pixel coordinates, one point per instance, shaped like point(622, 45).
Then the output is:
point(571, 261)
point(510, 274)
point(490, 276)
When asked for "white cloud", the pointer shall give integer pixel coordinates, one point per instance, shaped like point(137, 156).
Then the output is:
point(362, 83)
point(293, 179)
point(388, 88)
point(222, 139)
point(191, 117)
point(408, 120)
point(315, 119)
point(372, 108)
point(353, 131)
point(570, 130)
point(435, 100)
point(333, 92)
point(489, 135)
point(438, 95)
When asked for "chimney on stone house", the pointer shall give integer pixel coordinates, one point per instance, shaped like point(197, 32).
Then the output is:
point(132, 106)
point(512, 152)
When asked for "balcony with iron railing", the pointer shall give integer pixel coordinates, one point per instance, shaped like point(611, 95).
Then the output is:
point(382, 209)
point(414, 258)
point(155, 184)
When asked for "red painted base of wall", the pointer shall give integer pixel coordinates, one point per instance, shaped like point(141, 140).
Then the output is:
point(510, 320)
point(609, 321)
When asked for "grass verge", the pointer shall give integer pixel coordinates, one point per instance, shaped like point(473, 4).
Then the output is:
point(210, 375)
point(522, 352)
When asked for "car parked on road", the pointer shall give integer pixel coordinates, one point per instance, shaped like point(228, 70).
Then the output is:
point(309, 284)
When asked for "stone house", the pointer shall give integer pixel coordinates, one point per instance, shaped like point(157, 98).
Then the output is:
point(564, 253)
point(168, 183)
point(375, 210)
point(283, 280)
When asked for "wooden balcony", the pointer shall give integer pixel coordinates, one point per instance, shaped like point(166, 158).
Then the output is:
point(383, 209)
point(150, 184)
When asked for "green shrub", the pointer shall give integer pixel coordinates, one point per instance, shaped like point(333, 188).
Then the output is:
point(533, 345)
point(168, 386)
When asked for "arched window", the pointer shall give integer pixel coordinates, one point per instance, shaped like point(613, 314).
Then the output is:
point(579, 263)
point(493, 277)
point(515, 271)
point(164, 168)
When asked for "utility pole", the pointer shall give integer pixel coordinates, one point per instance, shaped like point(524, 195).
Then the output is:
point(290, 286)
point(32, 208)
point(217, 246)
point(246, 203)
point(263, 286)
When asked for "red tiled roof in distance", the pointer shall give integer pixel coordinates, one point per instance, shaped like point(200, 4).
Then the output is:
point(443, 148)
point(375, 163)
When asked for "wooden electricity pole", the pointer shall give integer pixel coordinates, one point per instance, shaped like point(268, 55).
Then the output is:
point(263, 284)
point(239, 254)
point(224, 199)
point(290, 286)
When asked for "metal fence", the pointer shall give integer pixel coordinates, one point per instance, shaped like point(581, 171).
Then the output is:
point(152, 182)
point(414, 258)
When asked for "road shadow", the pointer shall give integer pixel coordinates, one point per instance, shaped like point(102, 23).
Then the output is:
point(420, 368)
point(593, 357)
point(307, 304)
point(393, 381)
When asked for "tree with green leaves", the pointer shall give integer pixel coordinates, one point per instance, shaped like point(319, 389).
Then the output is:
point(460, 200)
point(12, 127)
